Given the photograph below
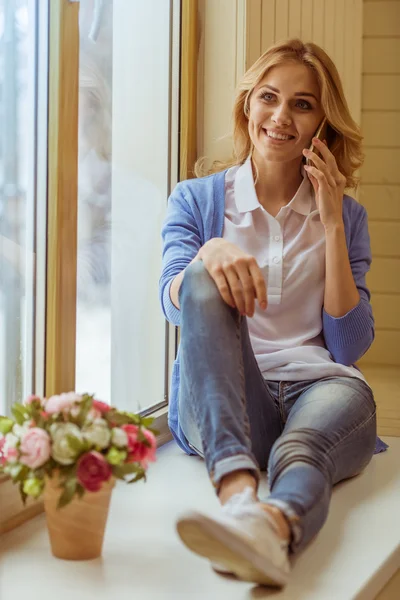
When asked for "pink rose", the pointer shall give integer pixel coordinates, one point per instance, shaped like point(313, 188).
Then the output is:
point(3, 458)
point(62, 403)
point(12, 455)
point(139, 451)
point(35, 448)
point(92, 471)
point(131, 431)
point(102, 407)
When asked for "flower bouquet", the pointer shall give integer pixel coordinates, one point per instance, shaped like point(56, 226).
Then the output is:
point(71, 448)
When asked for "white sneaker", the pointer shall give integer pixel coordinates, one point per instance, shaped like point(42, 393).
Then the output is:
point(243, 541)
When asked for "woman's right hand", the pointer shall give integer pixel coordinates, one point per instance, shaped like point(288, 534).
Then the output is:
point(236, 274)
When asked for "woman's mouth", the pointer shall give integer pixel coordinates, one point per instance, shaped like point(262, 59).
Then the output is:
point(276, 137)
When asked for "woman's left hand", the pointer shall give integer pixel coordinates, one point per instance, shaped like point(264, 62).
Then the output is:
point(328, 184)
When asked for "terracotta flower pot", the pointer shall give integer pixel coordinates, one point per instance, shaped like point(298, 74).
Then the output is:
point(76, 531)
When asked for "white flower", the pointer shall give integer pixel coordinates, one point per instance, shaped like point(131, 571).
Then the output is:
point(61, 450)
point(20, 430)
point(119, 437)
point(98, 433)
point(11, 440)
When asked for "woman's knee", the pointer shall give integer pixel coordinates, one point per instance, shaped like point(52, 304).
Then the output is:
point(198, 286)
point(300, 446)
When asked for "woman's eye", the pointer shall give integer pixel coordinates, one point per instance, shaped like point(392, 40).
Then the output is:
point(268, 97)
point(304, 104)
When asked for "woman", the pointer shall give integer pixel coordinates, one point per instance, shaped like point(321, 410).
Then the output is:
point(264, 269)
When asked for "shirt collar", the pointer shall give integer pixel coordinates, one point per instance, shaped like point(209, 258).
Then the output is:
point(246, 197)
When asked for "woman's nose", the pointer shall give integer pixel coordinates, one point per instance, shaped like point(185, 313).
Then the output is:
point(282, 115)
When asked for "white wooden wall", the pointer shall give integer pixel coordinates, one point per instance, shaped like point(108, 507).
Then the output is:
point(335, 25)
point(380, 176)
point(234, 33)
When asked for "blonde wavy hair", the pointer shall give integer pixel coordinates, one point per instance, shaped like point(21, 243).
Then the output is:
point(343, 134)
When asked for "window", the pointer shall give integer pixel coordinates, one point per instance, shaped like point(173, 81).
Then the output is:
point(22, 175)
point(128, 147)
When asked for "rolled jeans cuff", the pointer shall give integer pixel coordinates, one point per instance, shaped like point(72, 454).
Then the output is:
point(293, 520)
point(239, 462)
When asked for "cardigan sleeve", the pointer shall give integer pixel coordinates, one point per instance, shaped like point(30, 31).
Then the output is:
point(349, 337)
point(181, 242)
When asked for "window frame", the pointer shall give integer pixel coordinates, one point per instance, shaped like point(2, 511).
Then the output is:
point(59, 224)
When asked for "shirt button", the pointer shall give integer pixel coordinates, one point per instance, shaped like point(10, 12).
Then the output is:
point(277, 238)
point(275, 260)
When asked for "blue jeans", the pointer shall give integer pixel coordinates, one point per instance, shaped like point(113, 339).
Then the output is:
point(309, 435)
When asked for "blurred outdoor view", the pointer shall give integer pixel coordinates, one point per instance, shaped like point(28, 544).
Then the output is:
point(17, 122)
point(124, 179)
point(123, 183)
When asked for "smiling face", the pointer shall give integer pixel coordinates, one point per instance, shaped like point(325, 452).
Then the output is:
point(284, 113)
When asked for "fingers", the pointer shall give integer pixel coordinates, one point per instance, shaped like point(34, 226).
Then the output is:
point(318, 175)
point(330, 160)
point(321, 165)
point(240, 284)
point(223, 286)
point(259, 283)
point(248, 285)
point(241, 287)
point(326, 154)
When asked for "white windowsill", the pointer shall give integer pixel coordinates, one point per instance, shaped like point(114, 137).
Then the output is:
point(354, 556)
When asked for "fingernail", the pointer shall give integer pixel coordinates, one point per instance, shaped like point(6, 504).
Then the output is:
point(263, 305)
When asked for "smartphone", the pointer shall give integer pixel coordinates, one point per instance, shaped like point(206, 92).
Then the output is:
point(321, 135)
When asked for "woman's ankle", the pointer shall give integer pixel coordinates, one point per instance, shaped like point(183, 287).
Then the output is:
point(235, 483)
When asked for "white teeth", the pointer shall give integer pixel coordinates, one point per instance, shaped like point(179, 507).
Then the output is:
point(278, 136)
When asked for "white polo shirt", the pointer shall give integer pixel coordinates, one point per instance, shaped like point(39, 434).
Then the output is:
point(287, 337)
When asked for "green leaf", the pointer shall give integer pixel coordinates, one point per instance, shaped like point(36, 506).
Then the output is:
point(85, 407)
point(118, 418)
point(68, 493)
point(22, 493)
point(75, 444)
point(126, 469)
point(19, 413)
point(139, 476)
point(147, 421)
point(22, 474)
point(6, 425)
point(80, 490)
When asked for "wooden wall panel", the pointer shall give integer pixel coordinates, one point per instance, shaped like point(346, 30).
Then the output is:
point(381, 165)
point(382, 55)
point(219, 72)
point(295, 21)
point(307, 20)
point(381, 129)
point(319, 23)
point(384, 276)
point(381, 92)
point(329, 39)
point(380, 175)
point(281, 20)
point(336, 25)
point(254, 24)
point(386, 311)
point(385, 236)
point(268, 18)
point(381, 18)
point(385, 348)
point(381, 201)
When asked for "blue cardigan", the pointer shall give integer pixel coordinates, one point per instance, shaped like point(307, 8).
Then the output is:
point(195, 214)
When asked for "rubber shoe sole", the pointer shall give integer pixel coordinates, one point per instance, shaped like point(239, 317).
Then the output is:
point(224, 547)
